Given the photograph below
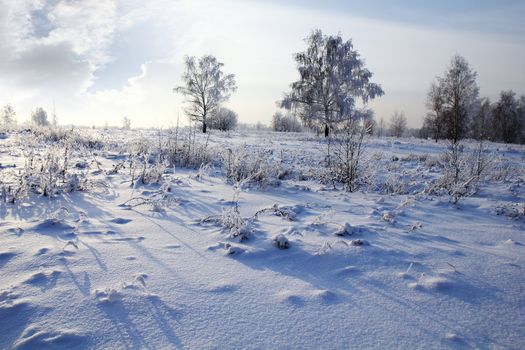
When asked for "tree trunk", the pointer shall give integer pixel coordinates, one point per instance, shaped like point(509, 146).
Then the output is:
point(326, 130)
point(204, 127)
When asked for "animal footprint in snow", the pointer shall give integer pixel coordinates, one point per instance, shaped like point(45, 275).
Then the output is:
point(120, 221)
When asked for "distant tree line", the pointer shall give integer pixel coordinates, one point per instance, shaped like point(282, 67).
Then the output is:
point(333, 89)
point(456, 111)
point(500, 121)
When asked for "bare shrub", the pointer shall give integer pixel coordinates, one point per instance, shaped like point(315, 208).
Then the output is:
point(457, 179)
point(345, 156)
point(254, 167)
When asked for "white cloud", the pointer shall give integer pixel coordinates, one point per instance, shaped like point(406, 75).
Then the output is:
point(101, 60)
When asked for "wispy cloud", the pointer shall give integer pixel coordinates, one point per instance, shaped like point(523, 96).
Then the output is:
point(115, 58)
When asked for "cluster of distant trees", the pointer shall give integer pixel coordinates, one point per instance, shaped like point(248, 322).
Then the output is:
point(457, 111)
point(334, 88)
point(39, 117)
point(8, 118)
point(500, 121)
point(286, 123)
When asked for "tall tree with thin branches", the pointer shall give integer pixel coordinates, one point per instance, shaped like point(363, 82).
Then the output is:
point(455, 99)
point(205, 87)
point(332, 80)
point(8, 115)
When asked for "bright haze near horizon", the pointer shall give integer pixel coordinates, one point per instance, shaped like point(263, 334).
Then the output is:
point(98, 61)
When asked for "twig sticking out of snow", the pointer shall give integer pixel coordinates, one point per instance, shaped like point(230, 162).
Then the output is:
point(455, 270)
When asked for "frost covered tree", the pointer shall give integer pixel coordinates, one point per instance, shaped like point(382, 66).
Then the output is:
point(380, 129)
point(521, 118)
point(205, 87)
point(433, 122)
point(454, 100)
point(398, 124)
point(479, 128)
point(505, 118)
point(8, 116)
point(39, 117)
point(223, 119)
point(126, 123)
point(332, 79)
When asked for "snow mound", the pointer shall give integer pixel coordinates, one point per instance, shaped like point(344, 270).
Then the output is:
point(6, 256)
point(120, 221)
point(281, 242)
point(432, 283)
point(300, 298)
point(54, 225)
point(511, 242)
point(43, 278)
point(345, 230)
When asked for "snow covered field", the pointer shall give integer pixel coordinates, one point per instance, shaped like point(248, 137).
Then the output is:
point(127, 252)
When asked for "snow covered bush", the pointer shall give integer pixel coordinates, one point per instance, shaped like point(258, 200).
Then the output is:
point(502, 170)
point(457, 179)
point(281, 242)
point(181, 147)
point(47, 174)
point(250, 167)
point(232, 221)
point(224, 119)
point(511, 210)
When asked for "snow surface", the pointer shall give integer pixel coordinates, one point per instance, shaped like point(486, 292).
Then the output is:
point(361, 270)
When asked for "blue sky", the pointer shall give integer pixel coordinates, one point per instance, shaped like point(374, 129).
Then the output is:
point(101, 60)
